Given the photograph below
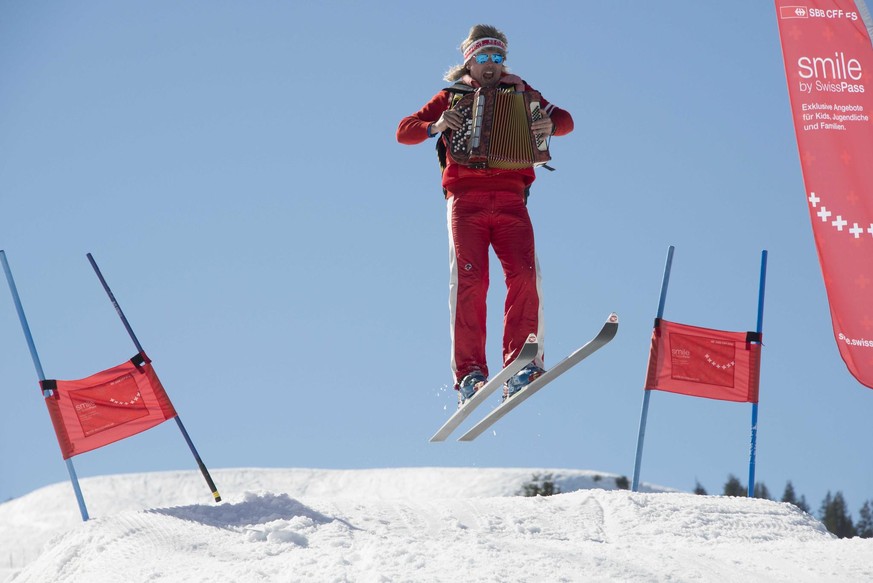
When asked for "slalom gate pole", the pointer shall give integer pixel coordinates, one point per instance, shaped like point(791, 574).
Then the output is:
point(753, 449)
point(40, 374)
point(640, 438)
point(202, 466)
point(644, 414)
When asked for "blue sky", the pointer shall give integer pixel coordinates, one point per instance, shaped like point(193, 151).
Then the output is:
point(232, 167)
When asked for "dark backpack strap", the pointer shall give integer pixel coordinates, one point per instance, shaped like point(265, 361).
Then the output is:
point(460, 89)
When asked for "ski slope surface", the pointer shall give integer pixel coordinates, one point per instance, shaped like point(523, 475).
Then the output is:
point(410, 524)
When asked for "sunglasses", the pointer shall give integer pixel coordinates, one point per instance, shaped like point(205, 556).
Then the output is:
point(482, 58)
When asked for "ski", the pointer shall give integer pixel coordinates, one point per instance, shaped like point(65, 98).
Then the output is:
point(606, 334)
point(527, 353)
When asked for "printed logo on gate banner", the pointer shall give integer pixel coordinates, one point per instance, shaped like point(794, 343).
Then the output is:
point(108, 405)
point(793, 12)
point(703, 360)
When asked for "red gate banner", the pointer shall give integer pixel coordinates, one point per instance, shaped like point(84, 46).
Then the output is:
point(701, 362)
point(107, 407)
point(829, 69)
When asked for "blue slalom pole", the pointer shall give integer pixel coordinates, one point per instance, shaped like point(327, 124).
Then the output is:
point(641, 436)
point(40, 374)
point(644, 414)
point(666, 281)
point(753, 449)
point(200, 464)
point(27, 335)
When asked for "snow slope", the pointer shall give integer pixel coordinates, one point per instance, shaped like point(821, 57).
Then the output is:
point(413, 524)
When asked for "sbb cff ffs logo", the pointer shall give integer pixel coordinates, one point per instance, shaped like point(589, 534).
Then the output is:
point(804, 12)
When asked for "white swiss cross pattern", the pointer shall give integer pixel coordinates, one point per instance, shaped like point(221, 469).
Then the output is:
point(725, 366)
point(839, 223)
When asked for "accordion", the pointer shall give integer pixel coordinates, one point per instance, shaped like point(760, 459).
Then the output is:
point(496, 131)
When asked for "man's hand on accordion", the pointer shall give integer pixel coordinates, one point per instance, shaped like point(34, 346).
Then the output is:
point(544, 125)
point(450, 119)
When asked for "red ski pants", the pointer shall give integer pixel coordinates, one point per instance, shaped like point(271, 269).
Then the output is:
point(478, 220)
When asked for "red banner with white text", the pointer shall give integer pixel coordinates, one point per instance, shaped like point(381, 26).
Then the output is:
point(107, 407)
point(829, 68)
point(702, 362)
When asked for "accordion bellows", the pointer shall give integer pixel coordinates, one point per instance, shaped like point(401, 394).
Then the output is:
point(496, 131)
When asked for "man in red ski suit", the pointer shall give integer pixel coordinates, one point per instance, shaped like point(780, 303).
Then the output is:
point(486, 207)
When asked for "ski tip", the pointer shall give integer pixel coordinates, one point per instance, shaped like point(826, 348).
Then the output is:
point(613, 318)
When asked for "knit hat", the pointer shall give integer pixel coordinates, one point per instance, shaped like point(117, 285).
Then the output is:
point(477, 46)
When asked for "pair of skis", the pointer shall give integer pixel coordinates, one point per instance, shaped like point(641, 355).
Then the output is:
point(525, 356)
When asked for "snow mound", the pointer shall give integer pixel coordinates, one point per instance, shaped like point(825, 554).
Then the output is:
point(428, 524)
